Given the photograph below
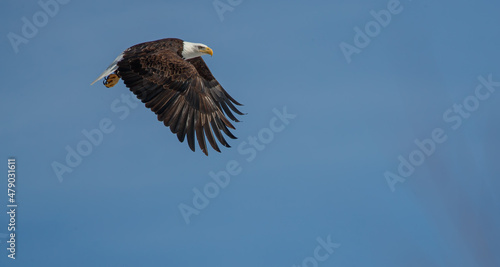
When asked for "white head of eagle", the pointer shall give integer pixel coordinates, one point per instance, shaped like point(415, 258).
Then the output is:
point(192, 50)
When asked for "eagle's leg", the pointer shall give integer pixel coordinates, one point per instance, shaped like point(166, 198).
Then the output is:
point(111, 80)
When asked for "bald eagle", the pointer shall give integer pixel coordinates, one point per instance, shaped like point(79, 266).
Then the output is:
point(172, 79)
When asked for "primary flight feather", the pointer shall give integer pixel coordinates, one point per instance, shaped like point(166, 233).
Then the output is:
point(172, 79)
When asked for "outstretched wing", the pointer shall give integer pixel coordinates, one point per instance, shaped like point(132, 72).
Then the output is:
point(184, 95)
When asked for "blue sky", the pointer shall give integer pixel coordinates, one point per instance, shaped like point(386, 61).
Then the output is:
point(417, 102)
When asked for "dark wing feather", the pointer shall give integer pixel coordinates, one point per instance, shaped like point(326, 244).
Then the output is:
point(182, 93)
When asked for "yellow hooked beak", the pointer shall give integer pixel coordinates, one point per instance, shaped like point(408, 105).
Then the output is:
point(207, 50)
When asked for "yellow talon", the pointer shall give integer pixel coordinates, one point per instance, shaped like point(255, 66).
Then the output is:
point(111, 80)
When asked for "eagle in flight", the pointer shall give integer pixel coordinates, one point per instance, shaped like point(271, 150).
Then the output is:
point(172, 79)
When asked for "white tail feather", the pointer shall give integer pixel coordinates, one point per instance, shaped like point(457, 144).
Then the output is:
point(112, 68)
